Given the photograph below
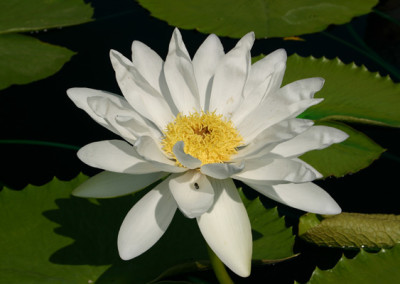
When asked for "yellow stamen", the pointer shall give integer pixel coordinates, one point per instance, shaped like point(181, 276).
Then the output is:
point(207, 136)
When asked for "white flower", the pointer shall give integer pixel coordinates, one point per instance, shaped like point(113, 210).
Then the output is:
point(203, 122)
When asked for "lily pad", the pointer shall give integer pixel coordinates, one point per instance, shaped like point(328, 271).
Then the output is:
point(351, 230)
point(351, 93)
point(365, 268)
point(267, 18)
point(49, 236)
point(24, 59)
point(355, 153)
point(27, 15)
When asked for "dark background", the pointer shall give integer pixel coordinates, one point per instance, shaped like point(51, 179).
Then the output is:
point(42, 111)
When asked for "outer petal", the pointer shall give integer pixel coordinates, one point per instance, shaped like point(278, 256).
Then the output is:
point(304, 196)
point(316, 137)
point(178, 71)
point(230, 78)
point(115, 156)
point(142, 96)
point(193, 192)
point(205, 61)
point(80, 97)
point(150, 151)
point(108, 184)
point(221, 170)
point(186, 160)
point(276, 171)
point(226, 228)
point(146, 222)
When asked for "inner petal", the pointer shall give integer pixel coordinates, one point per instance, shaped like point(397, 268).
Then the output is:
point(208, 137)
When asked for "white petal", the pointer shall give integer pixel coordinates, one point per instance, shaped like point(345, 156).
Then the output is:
point(115, 156)
point(226, 228)
point(151, 151)
point(221, 170)
point(270, 112)
point(186, 160)
point(80, 97)
point(193, 193)
point(142, 96)
point(304, 196)
point(259, 94)
point(178, 71)
point(301, 90)
point(205, 61)
point(146, 222)
point(317, 137)
point(108, 184)
point(277, 170)
point(148, 63)
point(230, 78)
point(263, 68)
point(272, 136)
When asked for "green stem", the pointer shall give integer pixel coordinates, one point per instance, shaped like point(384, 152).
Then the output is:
point(40, 143)
point(386, 16)
point(219, 268)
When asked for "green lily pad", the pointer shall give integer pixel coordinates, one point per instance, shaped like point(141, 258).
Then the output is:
point(48, 236)
point(351, 230)
point(24, 59)
point(27, 15)
point(351, 93)
point(365, 268)
point(355, 153)
point(267, 18)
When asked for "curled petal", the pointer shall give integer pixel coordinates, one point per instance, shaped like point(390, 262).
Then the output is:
point(115, 156)
point(186, 160)
point(226, 228)
point(304, 196)
point(193, 192)
point(146, 222)
point(108, 184)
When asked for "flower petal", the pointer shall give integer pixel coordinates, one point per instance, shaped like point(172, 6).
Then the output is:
point(80, 97)
point(115, 156)
point(276, 170)
point(186, 160)
point(205, 61)
point(142, 96)
point(146, 222)
point(193, 193)
point(304, 196)
point(230, 78)
point(226, 228)
point(316, 137)
point(108, 184)
point(151, 151)
point(221, 170)
point(267, 140)
point(178, 71)
point(263, 68)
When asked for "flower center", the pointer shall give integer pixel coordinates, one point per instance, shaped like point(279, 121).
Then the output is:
point(207, 136)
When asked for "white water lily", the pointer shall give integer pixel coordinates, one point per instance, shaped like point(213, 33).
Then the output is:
point(202, 123)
